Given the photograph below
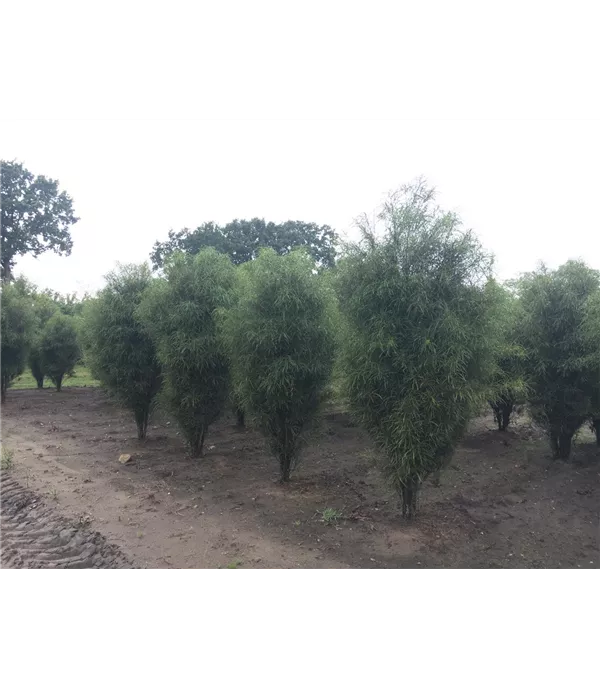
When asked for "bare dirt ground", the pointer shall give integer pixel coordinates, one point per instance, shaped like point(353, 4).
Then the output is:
point(502, 503)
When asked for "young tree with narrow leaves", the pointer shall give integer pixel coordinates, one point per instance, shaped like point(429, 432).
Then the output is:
point(179, 314)
point(35, 216)
point(507, 386)
point(242, 240)
point(36, 306)
point(591, 339)
point(416, 354)
point(16, 329)
point(44, 307)
point(559, 364)
point(59, 348)
point(281, 343)
point(117, 347)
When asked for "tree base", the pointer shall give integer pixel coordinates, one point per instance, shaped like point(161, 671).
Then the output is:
point(408, 497)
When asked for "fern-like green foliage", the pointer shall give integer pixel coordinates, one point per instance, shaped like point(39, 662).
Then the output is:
point(16, 327)
point(508, 389)
point(560, 366)
point(179, 314)
point(416, 354)
point(44, 307)
point(59, 347)
point(118, 350)
point(591, 337)
point(280, 338)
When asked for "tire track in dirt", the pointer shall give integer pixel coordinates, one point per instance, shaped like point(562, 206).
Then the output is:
point(34, 536)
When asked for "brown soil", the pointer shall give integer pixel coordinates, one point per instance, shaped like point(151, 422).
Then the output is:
point(502, 503)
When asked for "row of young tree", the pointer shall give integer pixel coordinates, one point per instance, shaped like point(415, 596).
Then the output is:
point(39, 331)
point(408, 319)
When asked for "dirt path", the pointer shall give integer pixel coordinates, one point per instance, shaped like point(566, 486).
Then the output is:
point(503, 503)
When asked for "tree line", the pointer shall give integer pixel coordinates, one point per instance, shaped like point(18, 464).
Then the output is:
point(409, 320)
point(40, 331)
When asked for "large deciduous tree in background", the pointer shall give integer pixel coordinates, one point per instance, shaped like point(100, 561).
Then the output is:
point(416, 351)
point(241, 240)
point(281, 342)
point(16, 328)
point(34, 216)
point(118, 349)
point(68, 304)
point(560, 367)
point(179, 314)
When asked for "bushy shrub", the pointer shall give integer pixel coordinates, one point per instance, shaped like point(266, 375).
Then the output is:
point(508, 389)
point(59, 348)
point(16, 331)
point(279, 335)
point(44, 307)
point(179, 314)
point(591, 339)
point(559, 364)
point(117, 347)
point(416, 354)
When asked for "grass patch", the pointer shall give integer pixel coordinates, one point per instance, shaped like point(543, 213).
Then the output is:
point(7, 460)
point(330, 516)
point(81, 377)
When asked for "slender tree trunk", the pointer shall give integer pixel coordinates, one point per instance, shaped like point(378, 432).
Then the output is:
point(285, 465)
point(141, 420)
point(40, 382)
point(408, 495)
point(564, 446)
point(241, 418)
point(287, 448)
point(197, 444)
point(59, 380)
point(554, 444)
point(596, 424)
point(502, 412)
point(497, 417)
point(506, 413)
point(4, 386)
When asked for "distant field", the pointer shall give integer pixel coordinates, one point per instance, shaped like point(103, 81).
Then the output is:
point(81, 378)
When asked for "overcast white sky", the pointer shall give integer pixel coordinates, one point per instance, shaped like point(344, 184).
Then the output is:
point(163, 115)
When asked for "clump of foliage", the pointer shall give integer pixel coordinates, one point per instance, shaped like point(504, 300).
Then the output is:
point(16, 327)
point(179, 314)
point(117, 347)
point(560, 366)
point(7, 458)
point(44, 307)
point(281, 343)
point(591, 338)
point(241, 240)
point(507, 386)
point(330, 516)
point(34, 215)
point(68, 304)
point(416, 352)
point(59, 348)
